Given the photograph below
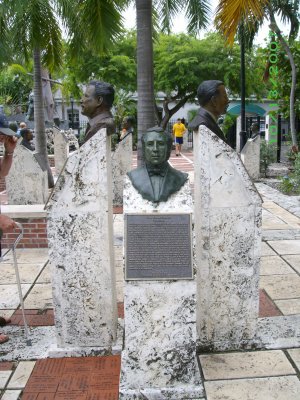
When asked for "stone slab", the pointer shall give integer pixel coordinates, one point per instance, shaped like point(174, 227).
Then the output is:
point(24, 211)
point(250, 156)
point(266, 250)
point(9, 295)
point(295, 355)
point(4, 377)
point(21, 375)
point(228, 239)
point(288, 307)
point(18, 348)
point(11, 395)
point(27, 256)
point(40, 297)
point(26, 182)
point(54, 351)
point(257, 364)
point(121, 164)
point(28, 273)
point(278, 332)
point(281, 286)
point(274, 265)
point(285, 246)
point(61, 149)
point(294, 261)
point(276, 388)
point(80, 235)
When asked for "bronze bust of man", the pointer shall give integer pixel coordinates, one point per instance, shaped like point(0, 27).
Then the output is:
point(157, 180)
point(96, 104)
point(214, 101)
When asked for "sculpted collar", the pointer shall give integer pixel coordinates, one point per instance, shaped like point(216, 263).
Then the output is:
point(211, 114)
point(159, 170)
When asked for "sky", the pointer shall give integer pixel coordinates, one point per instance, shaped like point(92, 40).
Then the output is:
point(180, 24)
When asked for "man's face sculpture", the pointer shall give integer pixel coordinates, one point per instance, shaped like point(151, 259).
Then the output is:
point(89, 102)
point(221, 101)
point(155, 148)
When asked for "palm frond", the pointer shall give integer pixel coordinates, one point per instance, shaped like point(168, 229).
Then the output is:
point(197, 13)
point(288, 11)
point(230, 13)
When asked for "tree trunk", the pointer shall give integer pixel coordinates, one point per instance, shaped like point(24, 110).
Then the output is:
point(285, 45)
point(169, 112)
point(39, 119)
point(145, 86)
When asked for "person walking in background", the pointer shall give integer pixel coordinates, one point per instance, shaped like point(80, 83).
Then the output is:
point(9, 140)
point(27, 137)
point(179, 130)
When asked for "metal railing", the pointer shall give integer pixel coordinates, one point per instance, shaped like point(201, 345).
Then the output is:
point(16, 268)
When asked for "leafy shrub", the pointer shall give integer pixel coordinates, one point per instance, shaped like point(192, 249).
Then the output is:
point(291, 184)
point(267, 155)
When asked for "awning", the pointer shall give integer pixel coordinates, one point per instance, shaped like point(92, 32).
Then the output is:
point(250, 108)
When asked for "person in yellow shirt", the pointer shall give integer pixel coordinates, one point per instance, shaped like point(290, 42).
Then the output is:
point(179, 130)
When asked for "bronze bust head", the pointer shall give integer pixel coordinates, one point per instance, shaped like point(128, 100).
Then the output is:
point(96, 104)
point(157, 180)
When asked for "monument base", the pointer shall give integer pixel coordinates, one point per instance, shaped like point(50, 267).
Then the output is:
point(54, 351)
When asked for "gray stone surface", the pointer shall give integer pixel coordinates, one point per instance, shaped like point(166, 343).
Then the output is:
point(279, 332)
point(27, 182)
point(290, 203)
point(19, 348)
point(121, 164)
point(80, 234)
point(228, 245)
point(61, 149)
point(250, 156)
point(159, 357)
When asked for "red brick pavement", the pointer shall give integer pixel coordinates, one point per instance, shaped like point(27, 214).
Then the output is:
point(44, 317)
point(267, 308)
point(86, 378)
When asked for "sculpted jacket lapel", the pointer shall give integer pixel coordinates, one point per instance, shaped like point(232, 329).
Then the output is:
point(147, 188)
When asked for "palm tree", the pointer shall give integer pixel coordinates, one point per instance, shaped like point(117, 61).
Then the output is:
point(145, 84)
point(232, 13)
point(34, 30)
point(196, 12)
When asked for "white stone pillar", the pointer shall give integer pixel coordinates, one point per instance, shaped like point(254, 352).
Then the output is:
point(159, 357)
point(61, 150)
point(228, 239)
point(250, 156)
point(27, 181)
point(121, 164)
point(81, 254)
point(185, 144)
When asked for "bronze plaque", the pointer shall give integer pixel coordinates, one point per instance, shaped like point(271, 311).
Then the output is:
point(158, 246)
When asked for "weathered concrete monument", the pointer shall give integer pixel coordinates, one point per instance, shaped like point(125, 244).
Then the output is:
point(121, 164)
point(61, 149)
point(228, 240)
point(250, 156)
point(27, 181)
point(80, 234)
point(159, 356)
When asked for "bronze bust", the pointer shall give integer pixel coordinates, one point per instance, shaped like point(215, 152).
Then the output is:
point(214, 101)
point(96, 104)
point(157, 180)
